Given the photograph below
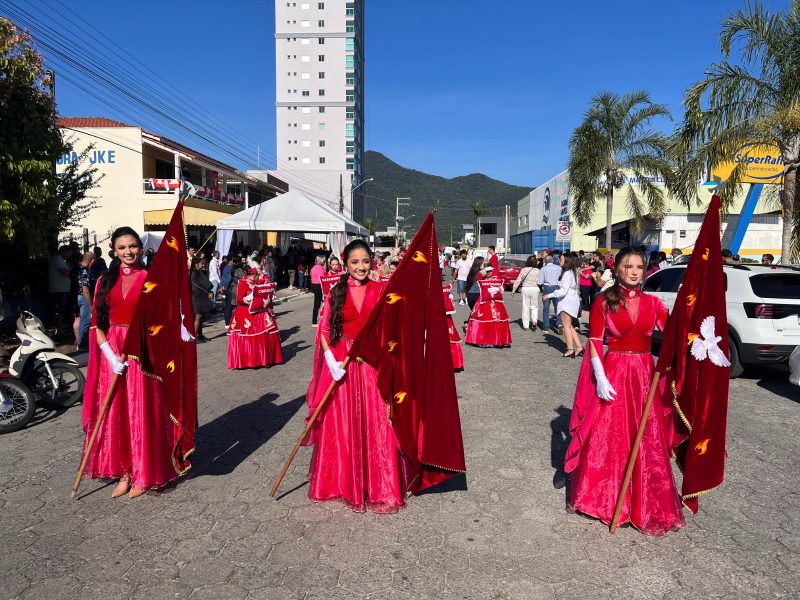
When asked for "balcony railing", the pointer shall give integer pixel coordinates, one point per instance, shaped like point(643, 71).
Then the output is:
point(170, 186)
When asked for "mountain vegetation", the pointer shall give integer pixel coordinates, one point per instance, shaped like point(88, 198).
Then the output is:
point(455, 199)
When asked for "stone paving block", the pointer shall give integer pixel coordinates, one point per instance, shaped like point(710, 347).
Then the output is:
point(275, 593)
point(104, 568)
point(293, 554)
point(163, 590)
point(258, 574)
point(104, 590)
point(13, 584)
point(321, 577)
point(48, 588)
point(218, 591)
point(205, 571)
point(146, 571)
point(367, 579)
point(419, 582)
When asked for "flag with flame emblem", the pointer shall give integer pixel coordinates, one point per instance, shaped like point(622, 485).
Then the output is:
point(406, 340)
point(154, 337)
point(698, 389)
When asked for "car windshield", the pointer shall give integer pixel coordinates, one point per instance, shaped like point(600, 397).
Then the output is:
point(776, 285)
point(512, 262)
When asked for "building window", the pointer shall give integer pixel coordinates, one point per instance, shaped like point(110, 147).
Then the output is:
point(305, 75)
point(321, 40)
point(322, 75)
point(321, 58)
point(164, 169)
point(321, 5)
point(305, 23)
point(322, 160)
point(305, 6)
point(322, 143)
point(350, 10)
point(488, 228)
point(306, 93)
point(321, 126)
point(350, 61)
point(320, 23)
point(306, 127)
point(350, 79)
point(349, 147)
point(349, 164)
point(322, 92)
point(350, 27)
point(322, 109)
point(350, 44)
point(350, 130)
point(306, 144)
point(305, 58)
point(350, 114)
point(305, 41)
point(305, 110)
point(349, 97)
point(306, 161)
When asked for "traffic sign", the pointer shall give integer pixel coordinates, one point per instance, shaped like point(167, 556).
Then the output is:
point(564, 232)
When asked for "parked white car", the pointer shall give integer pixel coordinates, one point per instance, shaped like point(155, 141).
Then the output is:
point(763, 305)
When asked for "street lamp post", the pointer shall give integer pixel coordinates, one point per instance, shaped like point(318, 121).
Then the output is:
point(397, 219)
point(353, 189)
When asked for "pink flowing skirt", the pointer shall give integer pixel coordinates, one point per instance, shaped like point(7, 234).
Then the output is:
point(251, 351)
point(652, 503)
point(136, 436)
point(356, 459)
point(455, 345)
point(488, 333)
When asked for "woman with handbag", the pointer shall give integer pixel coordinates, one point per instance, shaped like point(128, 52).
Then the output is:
point(569, 304)
point(526, 282)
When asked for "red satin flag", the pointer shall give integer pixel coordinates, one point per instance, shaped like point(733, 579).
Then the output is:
point(161, 337)
point(406, 340)
point(694, 361)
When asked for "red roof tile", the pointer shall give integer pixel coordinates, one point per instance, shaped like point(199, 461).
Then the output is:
point(90, 122)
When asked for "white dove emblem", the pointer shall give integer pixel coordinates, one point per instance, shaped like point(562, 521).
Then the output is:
point(185, 335)
point(706, 344)
point(493, 290)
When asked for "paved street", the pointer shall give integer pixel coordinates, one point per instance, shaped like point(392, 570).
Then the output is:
point(500, 533)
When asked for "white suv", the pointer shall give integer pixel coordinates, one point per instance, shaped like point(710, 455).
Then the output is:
point(763, 305)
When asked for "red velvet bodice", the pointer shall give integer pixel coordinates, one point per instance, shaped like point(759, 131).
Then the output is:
point(358, 305)
point(630, 329)
point(121, 307)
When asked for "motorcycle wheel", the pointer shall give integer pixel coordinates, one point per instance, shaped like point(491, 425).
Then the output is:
point(23, 405)
point(70, 382)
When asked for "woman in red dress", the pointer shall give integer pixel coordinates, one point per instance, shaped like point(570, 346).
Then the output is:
point(488, 325)
point(356, 458)
point(609, 399)
point(135, 440)
point(455, 339)
point(253, 336)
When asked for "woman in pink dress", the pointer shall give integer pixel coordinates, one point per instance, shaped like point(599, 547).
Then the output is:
point(135, 440)
point(455, 339)
point(253, 336)
point(488, 325)
point(356, 458)
point(609, 399)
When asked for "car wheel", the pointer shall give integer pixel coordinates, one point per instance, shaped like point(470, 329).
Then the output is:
point(737, 368)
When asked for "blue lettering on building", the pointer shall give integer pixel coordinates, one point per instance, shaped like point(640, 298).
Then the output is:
point(96, 157)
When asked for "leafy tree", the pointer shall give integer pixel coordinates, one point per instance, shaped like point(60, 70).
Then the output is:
point(613, 141)
point(757, 100)
point(35, 203)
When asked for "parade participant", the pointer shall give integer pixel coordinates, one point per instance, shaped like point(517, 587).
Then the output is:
point(334, 265)
point(488, 324)
point(493, 260)
point(134, 442)
point(609, 399)
point(455, 339)
point(356, 459)
point(569, 302)
point(393, 266)
point(253, 336)
point(526, 282)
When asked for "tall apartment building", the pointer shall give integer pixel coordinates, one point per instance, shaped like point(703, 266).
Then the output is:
point(319, 98)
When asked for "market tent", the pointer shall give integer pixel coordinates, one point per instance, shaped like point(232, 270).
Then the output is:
point(292, 212)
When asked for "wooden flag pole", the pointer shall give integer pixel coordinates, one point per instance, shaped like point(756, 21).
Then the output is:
point(303, 435)
point(112, 389)
point(634, 452)
point(207, 239)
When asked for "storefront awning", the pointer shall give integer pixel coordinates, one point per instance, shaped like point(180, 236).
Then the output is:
point(196, 213)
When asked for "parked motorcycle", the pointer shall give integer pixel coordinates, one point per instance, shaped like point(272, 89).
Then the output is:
point(17, 404)
point(53, 377)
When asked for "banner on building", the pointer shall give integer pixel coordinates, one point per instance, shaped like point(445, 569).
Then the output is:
point(760, 163)
point(551, 203)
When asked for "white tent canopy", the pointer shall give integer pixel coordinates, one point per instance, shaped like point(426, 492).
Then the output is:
point(292, 212)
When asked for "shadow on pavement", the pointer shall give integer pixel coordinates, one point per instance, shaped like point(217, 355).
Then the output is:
point(289, 332)
point(457, 483)
point(559, 442)
point(774, 379)
point(290, 350)
point(230, 439)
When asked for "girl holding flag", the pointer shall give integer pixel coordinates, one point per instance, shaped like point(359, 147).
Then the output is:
point(608, 407)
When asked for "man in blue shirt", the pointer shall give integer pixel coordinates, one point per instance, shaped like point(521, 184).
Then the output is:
point(548, 278)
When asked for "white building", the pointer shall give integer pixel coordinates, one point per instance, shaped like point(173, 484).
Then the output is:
point(319, 103)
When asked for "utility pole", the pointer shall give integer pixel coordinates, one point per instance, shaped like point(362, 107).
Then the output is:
point(341, 195)
point(505, 239)
point(397, 219)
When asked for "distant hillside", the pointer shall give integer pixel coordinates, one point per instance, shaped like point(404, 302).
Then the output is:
point(455, 196)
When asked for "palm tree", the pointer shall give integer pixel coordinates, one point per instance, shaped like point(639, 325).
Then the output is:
point(757, 101)
point(479, 209)
point(615, 141)
point(371, 225)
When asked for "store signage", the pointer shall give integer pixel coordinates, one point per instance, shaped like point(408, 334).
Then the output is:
point(759, 164)
point(96, 157)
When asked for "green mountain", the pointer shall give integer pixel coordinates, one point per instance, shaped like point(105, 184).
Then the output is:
point(454, 197)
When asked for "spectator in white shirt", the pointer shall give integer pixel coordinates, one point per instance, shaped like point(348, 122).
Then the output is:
point(460, 274)
point(214, 278)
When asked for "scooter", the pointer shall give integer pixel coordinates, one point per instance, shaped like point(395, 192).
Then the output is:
point(53, 377)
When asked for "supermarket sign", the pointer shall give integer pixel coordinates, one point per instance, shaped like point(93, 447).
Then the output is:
point(761, 164)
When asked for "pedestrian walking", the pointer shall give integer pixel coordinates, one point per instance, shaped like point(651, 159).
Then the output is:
point(317, 271)
point(527, 282)
point(214, 276)
point(609, 399)
point(201, 295)
point(569, 303)
point(549, 280)
point(356, 459)
point(253, 336)
point(136, 439)
point(460, 274)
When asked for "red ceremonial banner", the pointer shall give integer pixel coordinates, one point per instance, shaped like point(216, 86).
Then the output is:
point(406, 340)
point(694, 360)
point(161, 336)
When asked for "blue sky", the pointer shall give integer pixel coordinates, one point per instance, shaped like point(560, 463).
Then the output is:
point(452, 86)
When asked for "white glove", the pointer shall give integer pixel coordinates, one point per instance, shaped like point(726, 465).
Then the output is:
point(116, 364)
point(604, 388)
point(248, 299)
point(334, 366)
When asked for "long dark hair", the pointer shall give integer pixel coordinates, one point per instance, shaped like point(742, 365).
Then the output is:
point(109, 279)
point(571, 263)
point(613, 295)
point(339, 292)
point(477, 265)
